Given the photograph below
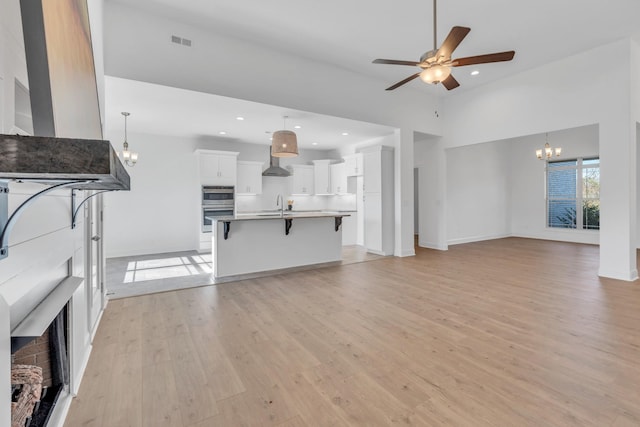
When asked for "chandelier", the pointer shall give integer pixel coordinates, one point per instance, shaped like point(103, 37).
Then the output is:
point(547, 152)
point(129, 158)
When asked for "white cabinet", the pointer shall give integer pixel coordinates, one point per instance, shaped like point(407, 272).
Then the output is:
point(322, 177)
point(350, 229)
point(301, 179)
point(372, 172)
point(378, 200)
point(249, 178)
point(217, 167)
point(338, 179)
point(353, 164)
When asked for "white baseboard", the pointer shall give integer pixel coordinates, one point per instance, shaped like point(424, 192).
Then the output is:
point(433, 245)
point(410, 252)
point(632, 276)
point(477, 239)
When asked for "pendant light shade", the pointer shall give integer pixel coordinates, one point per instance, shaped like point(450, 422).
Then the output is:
point(284, 143)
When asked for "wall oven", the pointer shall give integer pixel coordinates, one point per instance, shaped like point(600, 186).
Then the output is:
point(217, 201)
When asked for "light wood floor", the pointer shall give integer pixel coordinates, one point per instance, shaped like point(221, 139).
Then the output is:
point(510, 332)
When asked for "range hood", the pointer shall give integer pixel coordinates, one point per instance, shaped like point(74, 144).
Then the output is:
point(274, 168)
point(93, 163)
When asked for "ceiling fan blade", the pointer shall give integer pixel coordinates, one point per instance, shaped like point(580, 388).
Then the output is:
point(455, 37)
point(400, 83)
point(484, 59)
point(450, 82)
point(394, 62)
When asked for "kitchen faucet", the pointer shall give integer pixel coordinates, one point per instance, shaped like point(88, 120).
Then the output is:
point(280, 203)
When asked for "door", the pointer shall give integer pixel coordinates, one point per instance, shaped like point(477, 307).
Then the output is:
point(95, 263)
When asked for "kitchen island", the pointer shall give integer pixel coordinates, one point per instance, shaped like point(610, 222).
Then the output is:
point(257, 242)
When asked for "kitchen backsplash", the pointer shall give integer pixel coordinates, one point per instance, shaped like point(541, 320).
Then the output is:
point(273, 186)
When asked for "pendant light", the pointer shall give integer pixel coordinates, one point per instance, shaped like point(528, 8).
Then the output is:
point(284, 143)
point(129, 158)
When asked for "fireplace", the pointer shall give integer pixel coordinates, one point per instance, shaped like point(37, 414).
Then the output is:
point(41, 369)
point(39, 373)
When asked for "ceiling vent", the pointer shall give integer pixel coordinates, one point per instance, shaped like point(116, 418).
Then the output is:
point(181, 40)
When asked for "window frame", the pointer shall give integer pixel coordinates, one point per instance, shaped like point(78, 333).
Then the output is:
point(579, 198)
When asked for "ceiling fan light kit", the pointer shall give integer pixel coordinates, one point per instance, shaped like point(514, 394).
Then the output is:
point(436, 64)
point(435, 74)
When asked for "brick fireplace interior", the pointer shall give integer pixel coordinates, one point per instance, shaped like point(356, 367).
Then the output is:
point(39, 373)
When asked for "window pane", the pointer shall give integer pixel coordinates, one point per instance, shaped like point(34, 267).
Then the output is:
point(591, 214)
point(562, 213)
point(591, 162)
point(562, 164)
point(591, 183)
point(562, 184)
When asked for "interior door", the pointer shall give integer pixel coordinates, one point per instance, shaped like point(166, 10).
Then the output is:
point(94, 268)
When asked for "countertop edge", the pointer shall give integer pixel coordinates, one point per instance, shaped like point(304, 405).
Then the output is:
point(285, 216)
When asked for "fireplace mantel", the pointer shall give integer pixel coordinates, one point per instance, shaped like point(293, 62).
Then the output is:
point(41, 317)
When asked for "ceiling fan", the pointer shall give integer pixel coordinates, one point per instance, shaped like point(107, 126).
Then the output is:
point(437, 63)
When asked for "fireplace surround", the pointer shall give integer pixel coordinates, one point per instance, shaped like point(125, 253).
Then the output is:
point(41, 359)
point(39, 373)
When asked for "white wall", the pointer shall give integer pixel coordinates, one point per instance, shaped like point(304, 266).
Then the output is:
point(159, 212)
point(478, 202)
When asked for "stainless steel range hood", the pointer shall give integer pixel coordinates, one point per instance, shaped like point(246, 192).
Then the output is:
point(93, 163)
point(274, 168)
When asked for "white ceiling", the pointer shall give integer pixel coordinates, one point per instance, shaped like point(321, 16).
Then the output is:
point(350, 34)
point(163, 110)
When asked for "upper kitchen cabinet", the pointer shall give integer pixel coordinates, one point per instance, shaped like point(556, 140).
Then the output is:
point(217, 167)
point(322, 177)
point(301, 179)
point(249, 178)
point(353, 164)
point(338, 179)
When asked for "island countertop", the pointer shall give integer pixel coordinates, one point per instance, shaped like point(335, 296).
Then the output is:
point(279, 215)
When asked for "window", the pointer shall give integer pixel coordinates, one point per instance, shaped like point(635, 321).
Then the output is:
point(573, 186)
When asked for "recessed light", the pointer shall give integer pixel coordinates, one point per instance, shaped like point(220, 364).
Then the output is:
point(240, 118)
point(297, 127)
point(475, 72)
point(345, 133)
point(314, 143)
point(222, 132)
